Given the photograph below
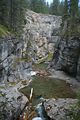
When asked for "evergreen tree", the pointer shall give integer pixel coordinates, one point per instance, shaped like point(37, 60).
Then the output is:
point(12, 13)
point(61, 8)
point(71, 23)
point(54, 7)
point(74, 7)
point(39, 6)
point(66, 10)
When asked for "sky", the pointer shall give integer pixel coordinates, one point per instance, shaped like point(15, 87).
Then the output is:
point(49, 1)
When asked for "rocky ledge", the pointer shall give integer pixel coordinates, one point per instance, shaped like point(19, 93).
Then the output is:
point(58, 109)
point(12, 102)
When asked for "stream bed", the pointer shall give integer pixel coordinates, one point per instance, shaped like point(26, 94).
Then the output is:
point(45, 87)
point(49, 88)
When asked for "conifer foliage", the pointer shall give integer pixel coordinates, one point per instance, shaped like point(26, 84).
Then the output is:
point(39, 6)
point(12, 13)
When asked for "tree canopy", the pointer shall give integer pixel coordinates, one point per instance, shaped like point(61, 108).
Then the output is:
point(12, 12)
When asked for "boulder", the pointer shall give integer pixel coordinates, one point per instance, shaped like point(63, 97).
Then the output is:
point(12, 102)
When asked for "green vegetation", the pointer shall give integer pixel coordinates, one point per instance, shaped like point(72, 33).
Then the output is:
point(47, 58)
point(39, 6)
point(66, 7)
point(72, 28)
point(23, 59)
point(57, 7)
point(41, 66)
point(49, 88)
point(12, 14)
point(41, 62)
point(74, 111)
point(3, 30)
point(71, 20)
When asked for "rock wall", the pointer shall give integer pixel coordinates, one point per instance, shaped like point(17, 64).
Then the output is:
point(12, 64)
point(39, 37)
point(16, 56)
point(13, 70)
point(42, 31)
point(67, 56)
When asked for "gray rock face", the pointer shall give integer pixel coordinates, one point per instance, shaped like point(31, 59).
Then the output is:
point(39, 37)
point(66, 56)
point(11, 103)
point(13, 69)
point(42, 31)
point(58, 109)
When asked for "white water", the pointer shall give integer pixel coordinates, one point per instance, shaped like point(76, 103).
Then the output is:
point(37, 118)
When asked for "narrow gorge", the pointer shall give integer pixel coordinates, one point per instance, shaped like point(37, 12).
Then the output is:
point(21, 60)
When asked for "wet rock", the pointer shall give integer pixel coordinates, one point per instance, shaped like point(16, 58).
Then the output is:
point(57, 109)
point(66, 56)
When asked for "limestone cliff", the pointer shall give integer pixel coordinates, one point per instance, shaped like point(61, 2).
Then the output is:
point(42, 31)
point(12, 70)
point(16, 56)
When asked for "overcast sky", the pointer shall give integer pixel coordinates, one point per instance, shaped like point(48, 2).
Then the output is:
point(49, 1)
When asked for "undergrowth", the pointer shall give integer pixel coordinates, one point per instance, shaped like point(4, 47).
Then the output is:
point(3, 30)
point(74, 111)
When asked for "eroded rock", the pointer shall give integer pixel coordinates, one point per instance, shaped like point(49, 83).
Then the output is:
point(66, 56)
point(12, 102)
point(58, 109)
point(43, 31)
